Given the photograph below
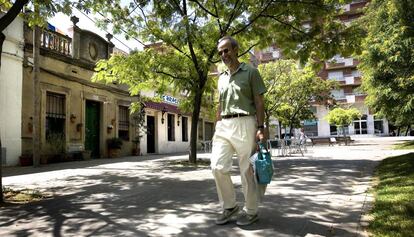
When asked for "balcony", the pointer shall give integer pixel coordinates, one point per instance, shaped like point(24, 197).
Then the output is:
point(56, 42)
point(352, 80)
point(349, 98)
point(343, 63)
point(354, 6)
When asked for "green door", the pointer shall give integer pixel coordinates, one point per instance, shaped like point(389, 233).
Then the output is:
point(92, 126)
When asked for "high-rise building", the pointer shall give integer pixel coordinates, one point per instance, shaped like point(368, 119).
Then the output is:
point(344, 71)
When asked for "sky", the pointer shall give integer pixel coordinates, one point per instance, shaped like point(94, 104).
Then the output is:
point(63, 23)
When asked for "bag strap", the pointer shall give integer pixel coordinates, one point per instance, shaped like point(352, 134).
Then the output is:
point(261, 148)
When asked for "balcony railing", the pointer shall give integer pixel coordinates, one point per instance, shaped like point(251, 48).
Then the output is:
point(347, 62)
point(56, 42)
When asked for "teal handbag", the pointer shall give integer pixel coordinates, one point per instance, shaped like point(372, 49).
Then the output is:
point(263, 165)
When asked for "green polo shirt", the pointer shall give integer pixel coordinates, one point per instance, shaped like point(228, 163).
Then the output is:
point(237, 91)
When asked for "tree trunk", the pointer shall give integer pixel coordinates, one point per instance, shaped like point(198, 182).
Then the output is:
point(267, 130)
point(398, 131)
point(194, 127)
point(280, 129)
point(267, 122)
point(8, 18)
point(36, 97)
point(408, 129)
point(2, 38)
point(344, 132)
point(1, 174)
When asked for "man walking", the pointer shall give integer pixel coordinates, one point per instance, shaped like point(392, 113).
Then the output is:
point(239, 125)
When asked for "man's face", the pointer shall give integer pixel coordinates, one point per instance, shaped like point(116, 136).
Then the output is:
point(227, 53)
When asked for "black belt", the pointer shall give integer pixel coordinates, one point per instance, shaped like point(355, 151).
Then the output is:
point(233, 116)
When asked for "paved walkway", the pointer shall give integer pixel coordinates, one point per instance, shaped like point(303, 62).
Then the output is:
point(321, 194)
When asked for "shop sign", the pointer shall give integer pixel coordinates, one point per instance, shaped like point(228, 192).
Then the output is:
point(310, 122)
point(170, 99)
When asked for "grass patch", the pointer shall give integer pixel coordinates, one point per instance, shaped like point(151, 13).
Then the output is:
point(22, 196)
point(405, 145)
point(393, 212)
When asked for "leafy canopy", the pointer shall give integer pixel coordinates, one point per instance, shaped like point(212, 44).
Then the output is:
point(342, 117)
point(387, 59)
point(292, 91)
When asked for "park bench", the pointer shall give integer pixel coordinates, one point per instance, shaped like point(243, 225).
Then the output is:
point(322, 140)
point(342, 139)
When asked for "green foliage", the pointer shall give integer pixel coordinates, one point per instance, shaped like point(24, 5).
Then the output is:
point(55, 144)
point(189, 31)
point(292, 91)
point(393, 212)
point(114, 143)
point(342, 117)
point(387, 60)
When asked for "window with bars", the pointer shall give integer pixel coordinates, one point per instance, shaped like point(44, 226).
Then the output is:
point(123, 124)
point(171, 127)
point(55, 114)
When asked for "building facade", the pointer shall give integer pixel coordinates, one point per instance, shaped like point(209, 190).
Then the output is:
point(11, 74)
point(77, 115)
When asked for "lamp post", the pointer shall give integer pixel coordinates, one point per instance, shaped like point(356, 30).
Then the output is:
point(162, 115)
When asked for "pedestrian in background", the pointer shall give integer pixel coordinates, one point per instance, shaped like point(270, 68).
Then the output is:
point(239, 126)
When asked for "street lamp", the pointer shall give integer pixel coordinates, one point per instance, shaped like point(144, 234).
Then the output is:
point(162, 115)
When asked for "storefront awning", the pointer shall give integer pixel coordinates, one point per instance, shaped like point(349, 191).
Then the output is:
point(162, 106)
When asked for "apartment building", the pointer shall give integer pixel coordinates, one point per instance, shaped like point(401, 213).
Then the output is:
point(345, 72)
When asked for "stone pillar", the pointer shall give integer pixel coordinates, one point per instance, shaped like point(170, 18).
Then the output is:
point(110, 44)
point(75, 38)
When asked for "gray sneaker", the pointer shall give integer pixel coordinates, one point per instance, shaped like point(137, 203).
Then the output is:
point(246, 219)
point(226, 215)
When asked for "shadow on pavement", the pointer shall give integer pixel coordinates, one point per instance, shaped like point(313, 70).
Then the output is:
point(162, 201)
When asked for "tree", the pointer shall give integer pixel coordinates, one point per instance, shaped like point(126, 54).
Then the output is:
point(190, 29)
point(292, 92)
point(343, 118)
point(387, 59)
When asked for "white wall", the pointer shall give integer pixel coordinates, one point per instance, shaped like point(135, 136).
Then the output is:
point(162, 145)
point(323, 125)
point(165, 146)
point(11, 75)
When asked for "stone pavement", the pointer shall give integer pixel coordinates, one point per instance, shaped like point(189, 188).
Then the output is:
point(323, 193)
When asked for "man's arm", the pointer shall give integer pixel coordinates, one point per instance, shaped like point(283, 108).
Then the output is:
point(218, 116)
point(259, 103)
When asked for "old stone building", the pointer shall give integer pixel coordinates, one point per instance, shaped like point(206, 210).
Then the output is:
point(76, 114)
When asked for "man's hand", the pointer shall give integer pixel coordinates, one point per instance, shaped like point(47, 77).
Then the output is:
point(260, 135)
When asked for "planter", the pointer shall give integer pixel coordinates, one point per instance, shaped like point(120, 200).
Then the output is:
point(136, 151)
point(26, 160)
point(113, 153)
point(86, 155)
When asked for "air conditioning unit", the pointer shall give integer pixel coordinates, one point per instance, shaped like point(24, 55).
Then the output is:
point(3, 155)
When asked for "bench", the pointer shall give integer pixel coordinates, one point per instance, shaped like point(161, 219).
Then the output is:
point(321, 140)
point(340, 140)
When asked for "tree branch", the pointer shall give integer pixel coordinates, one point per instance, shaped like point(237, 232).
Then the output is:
point(218, 18)
point(205, 9)
point(169, 74)
point(248, 50)
point(232, 16)
point(11, 14)
point(285, 23)
point(253, 20)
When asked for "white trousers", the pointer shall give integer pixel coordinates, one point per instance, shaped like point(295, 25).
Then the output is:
point(235, 135)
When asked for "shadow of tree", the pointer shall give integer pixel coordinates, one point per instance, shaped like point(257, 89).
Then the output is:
point(160, 200)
